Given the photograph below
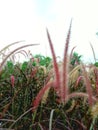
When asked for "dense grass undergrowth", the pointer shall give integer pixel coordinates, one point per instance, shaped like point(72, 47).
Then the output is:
point(45, 94)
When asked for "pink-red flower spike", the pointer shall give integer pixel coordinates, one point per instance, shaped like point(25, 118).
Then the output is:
point(96, 79)
point(12, 80)
point(64, 87)
point(60, 82)
point(78, 80)
point(56, 69)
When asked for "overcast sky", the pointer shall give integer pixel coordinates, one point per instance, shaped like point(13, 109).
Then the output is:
point(27, 20)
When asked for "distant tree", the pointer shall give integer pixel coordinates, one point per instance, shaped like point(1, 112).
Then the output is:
point(97, 33)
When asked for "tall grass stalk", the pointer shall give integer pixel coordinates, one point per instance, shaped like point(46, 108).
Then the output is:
point(88, 86)
point(59, 85)
point(6, 47)
point(93, 52)
point(51, 118)
point(81, 94)
point(56, 69)
point(3, 62)
point(64, 84)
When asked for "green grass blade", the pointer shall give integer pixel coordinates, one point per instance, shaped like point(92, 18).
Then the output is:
point(51, 118)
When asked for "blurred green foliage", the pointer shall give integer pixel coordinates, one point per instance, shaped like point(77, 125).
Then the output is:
point(75, 59)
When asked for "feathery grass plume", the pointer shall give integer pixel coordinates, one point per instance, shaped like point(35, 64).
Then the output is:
point(12, 80)
point(94, 110)
point(74, 74)
point(96, 79)
point(48, 79)
point(56, 69)
point(81, 94)
point(41, 94)
point(60, 86)
point(88, 86)
point(23, 52)
point(93, 52)
point(45, 96)
point(64, 85)
point(72, 52)
point(43, 68)
point(3, 62)
point(6, 47)
point(72, 106)
point(91, 74)
point(94, 113)
point(78, 80)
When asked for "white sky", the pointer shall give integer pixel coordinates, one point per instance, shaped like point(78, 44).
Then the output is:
point(27, 20)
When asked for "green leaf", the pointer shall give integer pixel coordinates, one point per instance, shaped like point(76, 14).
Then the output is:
point(96, 64)
point(24, 66)
point(10, 67)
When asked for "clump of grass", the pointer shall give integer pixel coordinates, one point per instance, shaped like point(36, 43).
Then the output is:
point(43, 93)
point(20, 83)
point(60, 83)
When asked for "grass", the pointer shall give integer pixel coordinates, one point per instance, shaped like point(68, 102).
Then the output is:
point(45, 94)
